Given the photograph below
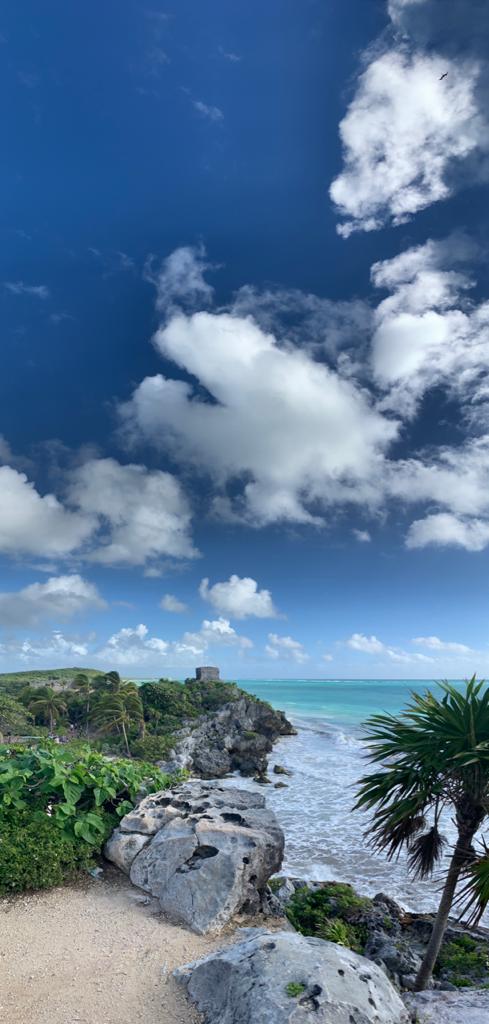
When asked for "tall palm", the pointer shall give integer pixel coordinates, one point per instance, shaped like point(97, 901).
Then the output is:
point(119, 711)
point(113, 681)
point(434, 755)
point(83, 684)
point(48, 704)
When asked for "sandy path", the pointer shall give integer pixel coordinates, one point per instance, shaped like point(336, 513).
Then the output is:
point(93, 954)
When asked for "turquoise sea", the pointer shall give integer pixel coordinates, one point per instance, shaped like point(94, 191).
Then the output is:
point(325, 839)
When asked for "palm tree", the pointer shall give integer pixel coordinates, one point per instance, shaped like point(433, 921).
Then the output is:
point(434, 755)
point(83, 684)
point(48, 704)
point(119, 711)
point(113, 681)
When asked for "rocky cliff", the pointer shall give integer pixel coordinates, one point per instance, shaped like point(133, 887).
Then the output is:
point(237, 737)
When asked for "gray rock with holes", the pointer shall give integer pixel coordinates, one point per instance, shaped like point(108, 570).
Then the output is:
point(204, 850)
point(285, 978)
point(470, 1006)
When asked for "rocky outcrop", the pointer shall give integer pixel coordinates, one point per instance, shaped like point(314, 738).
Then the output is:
point(285, 978)
point(205, 851)
point(393, 938)
point(237, 737)
point(467, 1007)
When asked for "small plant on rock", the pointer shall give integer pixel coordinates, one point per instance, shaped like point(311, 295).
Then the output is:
point(295, 989)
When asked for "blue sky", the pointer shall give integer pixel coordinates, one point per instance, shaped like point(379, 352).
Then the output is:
point(244, 292)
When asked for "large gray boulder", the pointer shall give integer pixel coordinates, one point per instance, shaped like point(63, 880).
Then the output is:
point(205, 851)
point(470, 1006)
point(249, 983)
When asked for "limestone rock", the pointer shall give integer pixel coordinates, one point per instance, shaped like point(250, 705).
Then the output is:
point(248, 983)
point(122, 848)
point(237, 737)
point(470, 1006)
point(204, 850)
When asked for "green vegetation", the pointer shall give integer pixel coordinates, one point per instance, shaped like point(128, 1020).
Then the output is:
point(333, 912)
point(463, 961)
point(58, 805)
point(434, 756)
point(116, 716)
point(35, 854)
point(295, 989)
point(14, 717)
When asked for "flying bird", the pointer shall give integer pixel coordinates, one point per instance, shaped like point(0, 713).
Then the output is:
point(443, 76)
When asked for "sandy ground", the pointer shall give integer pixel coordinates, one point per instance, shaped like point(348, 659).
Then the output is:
point(93, 954)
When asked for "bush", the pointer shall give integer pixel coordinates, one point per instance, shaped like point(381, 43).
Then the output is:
point(332, 912)
point(36, 854)
point(82, 791)
point(152, 748)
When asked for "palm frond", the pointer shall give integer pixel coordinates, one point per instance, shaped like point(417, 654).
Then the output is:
point(473, 897)
point(425, 851)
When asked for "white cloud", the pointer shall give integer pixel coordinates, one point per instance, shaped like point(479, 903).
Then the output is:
point(428, 332)
point(143, 513)
point(405, 130)
point(113, 514)
point(35, 525)
point(135, 646)
point(433, 643)
point(285, 647)
point(180, 278)
point(59, 597)
point(328, 657)
point(372, 645)
point(442, 529)
point(362, 536)
point(170, 603)
point(367, 644)
point(38, 291)
point(239, 598)
point(208, 111)
point(55, 649)
point(296, 430)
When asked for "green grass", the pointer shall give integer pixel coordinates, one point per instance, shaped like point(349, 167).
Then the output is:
point(463, 961)
point(295, 989)
point(332, 913)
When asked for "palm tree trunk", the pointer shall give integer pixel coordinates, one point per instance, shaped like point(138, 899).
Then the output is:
point(440, 923)
point(125, 739)
point(51, 721)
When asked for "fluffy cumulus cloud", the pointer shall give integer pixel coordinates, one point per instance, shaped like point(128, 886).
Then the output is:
point(429, 331)
point(445, 530)
point(286, 648)
point(32, 524)
point(372, 645)
point(293, 430)
point(49, 650)
point(136, 646)
point(415, 125)
point(142, 514)
point(239, 598)
point(111, 513)
point(60, 597)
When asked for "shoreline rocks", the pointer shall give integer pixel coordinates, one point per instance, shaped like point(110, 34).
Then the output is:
point(205, 851)
point(237, 737)
point(282, 978)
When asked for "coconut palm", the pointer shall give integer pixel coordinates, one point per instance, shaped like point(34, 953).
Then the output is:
point(113, 681)
point(118, 712)
point(433, 756)
point(48, 704)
